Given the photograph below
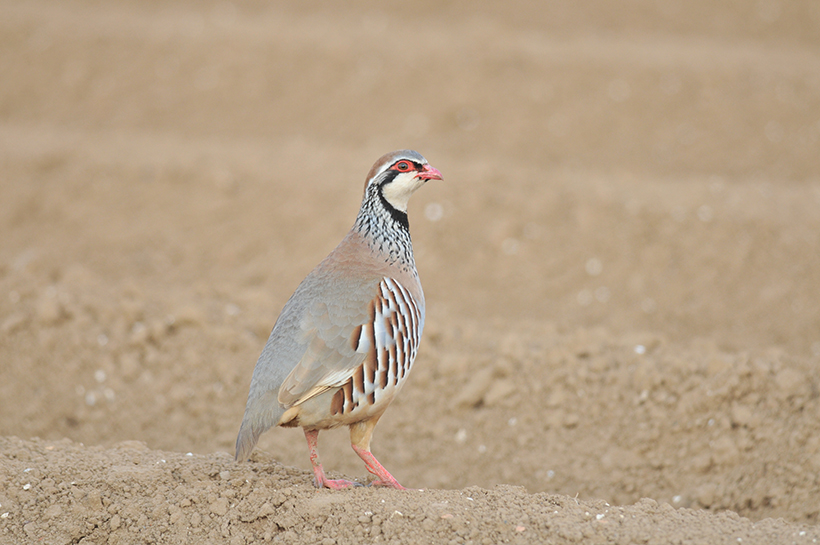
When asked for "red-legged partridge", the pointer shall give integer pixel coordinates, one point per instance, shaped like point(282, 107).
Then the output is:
point(345, 341)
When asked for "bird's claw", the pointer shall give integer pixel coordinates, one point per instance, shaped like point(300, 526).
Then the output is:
point(336, 484)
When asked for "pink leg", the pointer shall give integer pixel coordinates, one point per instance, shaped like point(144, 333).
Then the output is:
point(374, 467)
point(319, 479)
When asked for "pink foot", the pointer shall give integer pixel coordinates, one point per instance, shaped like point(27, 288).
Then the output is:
point(384, 479)
point(334, 484)
point(319, 479)
point(388, 484)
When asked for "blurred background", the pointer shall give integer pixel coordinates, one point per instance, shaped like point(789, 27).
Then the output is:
point(623, 180)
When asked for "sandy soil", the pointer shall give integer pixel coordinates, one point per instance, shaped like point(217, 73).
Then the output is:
point(622, 267)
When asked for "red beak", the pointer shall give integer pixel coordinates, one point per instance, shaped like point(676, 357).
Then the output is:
point(429, 173)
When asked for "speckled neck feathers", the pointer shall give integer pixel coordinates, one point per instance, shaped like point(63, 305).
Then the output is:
point(385, 229)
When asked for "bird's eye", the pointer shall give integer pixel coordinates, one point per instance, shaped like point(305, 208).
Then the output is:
point(404, 166)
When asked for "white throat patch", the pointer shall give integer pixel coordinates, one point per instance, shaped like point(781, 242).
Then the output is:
point(398, 192)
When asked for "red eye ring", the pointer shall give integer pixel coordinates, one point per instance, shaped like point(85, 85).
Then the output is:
point(403, 166)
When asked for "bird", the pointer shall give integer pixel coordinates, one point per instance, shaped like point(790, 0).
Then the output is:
point(345, 341)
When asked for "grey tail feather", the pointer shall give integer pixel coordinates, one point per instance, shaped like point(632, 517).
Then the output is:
point(246, 440)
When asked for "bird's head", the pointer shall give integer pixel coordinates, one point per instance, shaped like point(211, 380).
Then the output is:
point(395, 176)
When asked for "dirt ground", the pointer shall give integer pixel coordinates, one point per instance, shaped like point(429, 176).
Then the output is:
point(621, 267)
